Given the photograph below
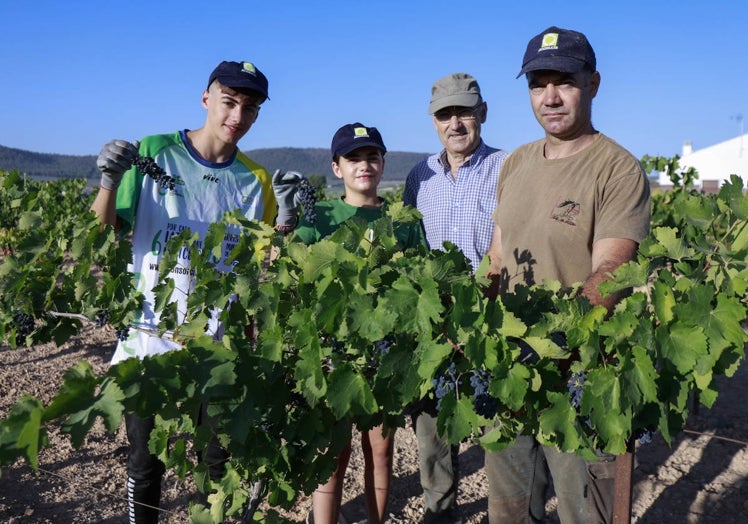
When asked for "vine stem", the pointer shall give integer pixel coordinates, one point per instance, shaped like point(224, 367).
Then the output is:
point(77, 316)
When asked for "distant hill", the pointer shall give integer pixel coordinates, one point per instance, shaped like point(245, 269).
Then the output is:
point(48, 166)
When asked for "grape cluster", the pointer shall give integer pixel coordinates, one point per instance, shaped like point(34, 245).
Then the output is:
point(123, 333)
point(102, 318)
point(644, 436)
point(483, 403)
point(24, 325)
point(575, 385)
point(307, 198)
point(445, 383)
point(383, 345)
point(148, 166)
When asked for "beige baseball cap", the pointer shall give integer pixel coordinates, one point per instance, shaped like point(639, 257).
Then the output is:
point(457, 89)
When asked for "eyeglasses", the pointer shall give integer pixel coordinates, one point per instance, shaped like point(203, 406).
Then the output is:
point(463, 114)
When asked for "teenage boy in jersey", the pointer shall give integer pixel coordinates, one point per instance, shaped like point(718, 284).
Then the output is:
point(210, 176)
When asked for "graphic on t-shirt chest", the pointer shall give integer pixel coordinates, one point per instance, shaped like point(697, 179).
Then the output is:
point(566, 211)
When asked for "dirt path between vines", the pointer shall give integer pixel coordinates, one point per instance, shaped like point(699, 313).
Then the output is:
point(702, 478)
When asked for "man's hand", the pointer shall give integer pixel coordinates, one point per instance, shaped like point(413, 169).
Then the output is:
point(115, 158)
point(286, 189)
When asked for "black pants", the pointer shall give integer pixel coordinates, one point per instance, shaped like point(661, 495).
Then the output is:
point(144, 470)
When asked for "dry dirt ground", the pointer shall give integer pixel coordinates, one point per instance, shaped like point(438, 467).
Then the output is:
point(703, 477)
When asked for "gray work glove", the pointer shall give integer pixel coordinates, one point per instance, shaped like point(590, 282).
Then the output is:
point(286, 189)
point(115, 158)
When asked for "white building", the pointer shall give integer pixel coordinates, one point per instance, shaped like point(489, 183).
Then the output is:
point(716, 163)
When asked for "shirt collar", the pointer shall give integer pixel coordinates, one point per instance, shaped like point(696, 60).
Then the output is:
point(475, 157)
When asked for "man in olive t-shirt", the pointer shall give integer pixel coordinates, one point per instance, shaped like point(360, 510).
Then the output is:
point(571, 207)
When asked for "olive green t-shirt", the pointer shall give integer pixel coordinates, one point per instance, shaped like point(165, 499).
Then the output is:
point(551, 211)
point(332, 213)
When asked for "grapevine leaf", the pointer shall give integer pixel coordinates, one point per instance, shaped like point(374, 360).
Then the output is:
point(675, 247)
point(456, 420)
point(213, 241)
point(308, 374)
point(510, 383)
point(628, 275)
point(323, 255)
point(78, 390)
point(162, 293)
point(663, 300)
point(331, 304)
point(697, 210)
point(604, 404)
point(511, 325)
point(403, 298)
point(30, 220)
point(546, 348)
point(640, 377)
point(349, 393)
point(432, 354)
point(740, 239)
point(725, 321)
point(22, 433)
point(558, 426)
point(369, 322)
point(210, 365)
point(270, 343)
point(708, 395)
point(732, 193)
point(681, 344)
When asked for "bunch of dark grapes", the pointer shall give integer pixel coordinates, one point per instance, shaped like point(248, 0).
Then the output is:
point(102, 318)
point(24, 325)
point(485, 405)
point(575, 385)
point(148, 166)
point(644, 436)
point(123, 333)
point(445, 383)
point(307, 199)
point(383, 345)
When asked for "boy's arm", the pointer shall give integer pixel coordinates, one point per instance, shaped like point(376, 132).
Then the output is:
point(105, 206)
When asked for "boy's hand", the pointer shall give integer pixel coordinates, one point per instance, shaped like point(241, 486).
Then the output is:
point(115, 158)
point(286, 189)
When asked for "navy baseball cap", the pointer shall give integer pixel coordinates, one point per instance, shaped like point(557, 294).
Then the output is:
point(353, 136)
point(557, 49)
point(240, 75)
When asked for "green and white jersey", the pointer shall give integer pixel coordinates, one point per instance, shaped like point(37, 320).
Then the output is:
point(202, 193)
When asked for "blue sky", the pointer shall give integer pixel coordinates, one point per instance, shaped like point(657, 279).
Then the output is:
point(76, 74)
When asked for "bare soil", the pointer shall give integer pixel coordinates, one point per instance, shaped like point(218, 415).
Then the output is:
point(703, 477)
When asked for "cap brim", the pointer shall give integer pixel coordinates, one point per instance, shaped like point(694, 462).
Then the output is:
point(246, 84)
point(458, 100)
point(358, 144)
point(564, 64)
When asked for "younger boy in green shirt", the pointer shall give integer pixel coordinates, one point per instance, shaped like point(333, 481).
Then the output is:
point(358, 159)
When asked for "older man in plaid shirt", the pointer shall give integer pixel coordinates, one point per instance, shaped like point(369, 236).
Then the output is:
point(455, 191)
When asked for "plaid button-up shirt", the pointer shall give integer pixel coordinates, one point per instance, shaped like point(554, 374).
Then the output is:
point(459, 209)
